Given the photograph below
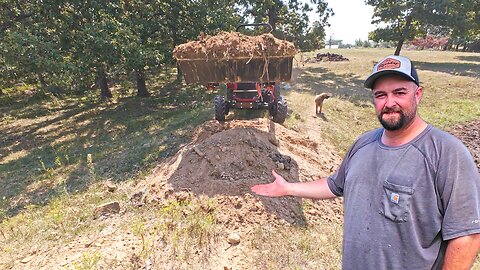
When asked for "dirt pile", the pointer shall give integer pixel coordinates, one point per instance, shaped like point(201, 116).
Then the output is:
point(469, 134)
point(225, 160)
point(327, 57)
point(233, 45)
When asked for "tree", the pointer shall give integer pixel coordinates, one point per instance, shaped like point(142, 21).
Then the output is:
point(405, 18)
point(28, 49)
point(314, 38)
point(290, 19)
point(464, 22)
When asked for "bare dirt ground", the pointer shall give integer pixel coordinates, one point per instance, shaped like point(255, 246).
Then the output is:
point(469, 134)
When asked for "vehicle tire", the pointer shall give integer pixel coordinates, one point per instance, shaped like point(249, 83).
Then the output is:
point(220, 108)
point(280, 110)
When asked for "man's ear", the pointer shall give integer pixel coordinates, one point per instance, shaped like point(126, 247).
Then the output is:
point(418, 94)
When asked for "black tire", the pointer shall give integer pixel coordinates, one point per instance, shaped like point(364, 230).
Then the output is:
point(280, 110)
point(220, 108)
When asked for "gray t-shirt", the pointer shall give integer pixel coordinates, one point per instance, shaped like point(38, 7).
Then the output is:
point(402, 203)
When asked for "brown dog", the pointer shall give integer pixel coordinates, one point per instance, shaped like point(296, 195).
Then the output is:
point(319, 101)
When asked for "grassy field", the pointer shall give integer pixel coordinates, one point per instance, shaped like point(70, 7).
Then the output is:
point(56, 152)
point(450, 81)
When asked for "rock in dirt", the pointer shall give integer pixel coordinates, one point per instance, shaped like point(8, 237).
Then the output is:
point(280, 166)
point(233, 239)
point(198, 151)
point(138, 198)
point(106, 209)
point(110, 186)
point(182, 196)
point(27, 259)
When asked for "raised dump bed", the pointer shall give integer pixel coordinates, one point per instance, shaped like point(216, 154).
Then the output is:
point(234, 57)
point(237, 70)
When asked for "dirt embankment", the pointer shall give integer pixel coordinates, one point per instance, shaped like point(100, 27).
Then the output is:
point(228, 45)
point(225, 160)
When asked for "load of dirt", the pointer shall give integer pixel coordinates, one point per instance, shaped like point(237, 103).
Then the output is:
point(225, 159)
point(327, 57)
point(234, 45)
point(469, 134)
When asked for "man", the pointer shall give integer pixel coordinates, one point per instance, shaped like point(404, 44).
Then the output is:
point(411, 191)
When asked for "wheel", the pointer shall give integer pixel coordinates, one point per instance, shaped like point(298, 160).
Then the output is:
point(220, 108)
point(280, 110)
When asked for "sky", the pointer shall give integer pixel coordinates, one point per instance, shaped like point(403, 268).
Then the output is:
point(352, 20)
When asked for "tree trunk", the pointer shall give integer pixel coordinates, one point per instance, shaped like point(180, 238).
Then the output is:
point(399, 46)
point(141, 86)
point(179, 73)
point(405, 34)
point(464, 46)
point(103, 84)
point(456, 46)
point(272, 17)
point(42, 81)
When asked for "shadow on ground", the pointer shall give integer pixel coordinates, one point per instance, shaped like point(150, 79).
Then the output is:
point(316, 80)
point(45, 145)
point(457, 69)
point(471, 58)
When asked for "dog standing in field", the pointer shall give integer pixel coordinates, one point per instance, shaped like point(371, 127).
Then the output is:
point(319, 101)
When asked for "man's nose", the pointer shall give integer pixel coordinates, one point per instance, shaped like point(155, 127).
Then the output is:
point(390, 102)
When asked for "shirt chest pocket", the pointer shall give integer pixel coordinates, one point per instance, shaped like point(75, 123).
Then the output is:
point(395, 201)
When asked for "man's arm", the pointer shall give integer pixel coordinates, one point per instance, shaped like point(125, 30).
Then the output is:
point(461, 252)
point(313, 190)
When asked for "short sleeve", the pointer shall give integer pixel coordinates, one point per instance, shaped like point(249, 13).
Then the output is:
point(336, 181)
point(459, 180)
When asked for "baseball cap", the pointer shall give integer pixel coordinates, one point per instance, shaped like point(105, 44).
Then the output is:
point(392, 64)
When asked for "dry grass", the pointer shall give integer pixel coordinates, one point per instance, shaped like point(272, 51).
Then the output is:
point(286, 247)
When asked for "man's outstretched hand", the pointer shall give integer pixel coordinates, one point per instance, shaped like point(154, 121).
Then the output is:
point(275, 189)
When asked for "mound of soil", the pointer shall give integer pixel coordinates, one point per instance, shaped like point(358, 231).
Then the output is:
point(229, 45)
point(327, 57)
point(225, 159)
point(469, 134)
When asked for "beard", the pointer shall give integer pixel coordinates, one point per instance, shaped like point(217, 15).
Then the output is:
point(396, 124)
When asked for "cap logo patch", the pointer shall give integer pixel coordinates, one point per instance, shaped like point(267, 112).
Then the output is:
point(389, 63)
